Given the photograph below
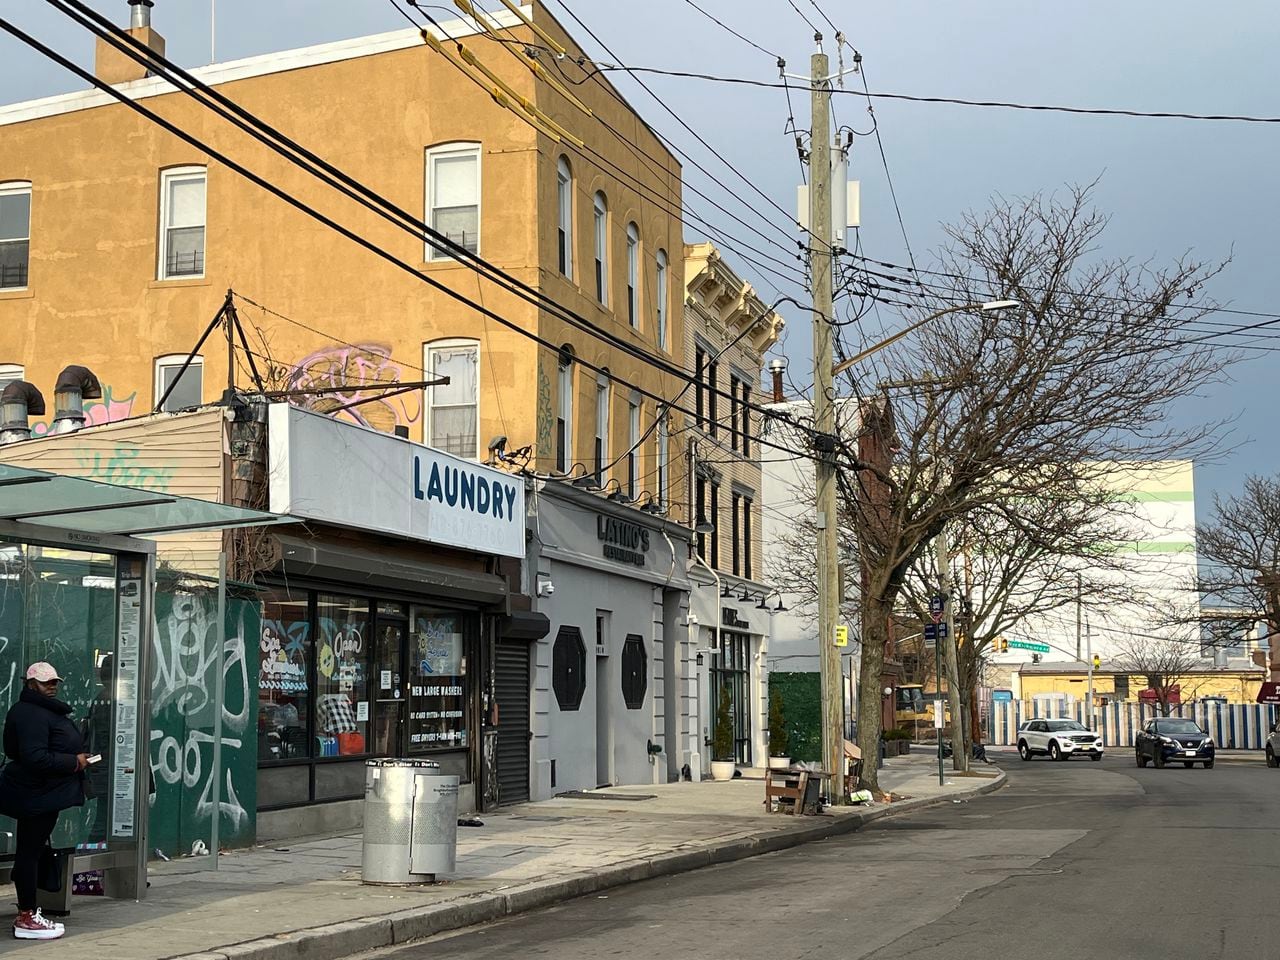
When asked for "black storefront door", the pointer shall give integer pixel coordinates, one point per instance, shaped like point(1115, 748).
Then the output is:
point(511, 677)
point(390, 701)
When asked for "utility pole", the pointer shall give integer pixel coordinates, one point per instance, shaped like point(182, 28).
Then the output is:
point(824, 414)
point(959, 760)
point(1079, 604)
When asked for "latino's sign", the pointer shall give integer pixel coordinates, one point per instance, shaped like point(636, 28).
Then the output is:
point(353, 476)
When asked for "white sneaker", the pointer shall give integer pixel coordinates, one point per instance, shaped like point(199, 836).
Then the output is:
point(33, 925)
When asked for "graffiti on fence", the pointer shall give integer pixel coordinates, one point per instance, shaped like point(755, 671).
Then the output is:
point(98, 412)
point(188, 663)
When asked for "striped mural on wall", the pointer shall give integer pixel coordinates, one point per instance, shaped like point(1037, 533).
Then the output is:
point(1233, 726)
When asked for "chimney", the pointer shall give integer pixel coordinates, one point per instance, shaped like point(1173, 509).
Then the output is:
point(113, 66)
point(778, 367)
point(75, 385)
point(18, 401)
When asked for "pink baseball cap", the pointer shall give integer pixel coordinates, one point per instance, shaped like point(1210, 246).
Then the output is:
point(43, 672)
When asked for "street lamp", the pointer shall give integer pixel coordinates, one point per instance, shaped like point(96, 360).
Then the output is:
point(990, 306)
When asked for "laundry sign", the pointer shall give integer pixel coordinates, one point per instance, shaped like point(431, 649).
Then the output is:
point(355, 476)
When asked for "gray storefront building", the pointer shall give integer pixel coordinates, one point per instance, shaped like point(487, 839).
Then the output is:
point(613, 683)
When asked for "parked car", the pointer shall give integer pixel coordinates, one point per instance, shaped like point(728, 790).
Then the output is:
point(1172, 740)
point(1273, 746)
point(1059, 739)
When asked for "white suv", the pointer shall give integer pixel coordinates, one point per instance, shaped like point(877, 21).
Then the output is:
point(1060, 739)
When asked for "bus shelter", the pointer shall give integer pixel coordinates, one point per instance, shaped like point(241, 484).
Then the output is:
point(77, 589)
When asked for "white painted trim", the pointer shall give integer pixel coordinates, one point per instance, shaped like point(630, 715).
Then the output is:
point(174, 360)
point(476, 149)
point(428, 407)
point(258, 66)
point(167, 177)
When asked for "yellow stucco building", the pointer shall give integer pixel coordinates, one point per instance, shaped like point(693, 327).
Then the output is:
point(1235, 684)
point(119, 243)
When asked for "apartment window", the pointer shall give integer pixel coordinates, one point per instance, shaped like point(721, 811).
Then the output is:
point(564, 413)
point(736, 534)
point(662, 299)
point(10, 373)
point(663, 461)
point(744, 411)
point(182, 222)
point(700, 497)
point(633, 275)
point(713, 397)
point(453, 196)
point(564, 208)
point(633, 448)
point(453, 409)
point(747, 504)
point(185, 388)
point(699, 387)
point(733, 411)
point(602, 249)
point(602, 429)
point(15, 234)
point(714, 517)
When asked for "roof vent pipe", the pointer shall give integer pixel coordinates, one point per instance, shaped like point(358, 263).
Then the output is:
point(18, 401)
point(75, 385)
point(140, 13)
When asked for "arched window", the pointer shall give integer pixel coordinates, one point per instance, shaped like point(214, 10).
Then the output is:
point(453, 196)
point(633, 275)
point(662, 299)
point(453, 410)
point(602, 249)
point(15, 234)
point(184, 388)
point(564, 217)
point(182, 222)
point(564, 412)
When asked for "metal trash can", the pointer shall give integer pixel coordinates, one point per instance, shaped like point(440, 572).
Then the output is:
point(410, 821)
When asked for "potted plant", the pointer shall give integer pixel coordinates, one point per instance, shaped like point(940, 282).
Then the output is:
point(722, 763)
point(779, 758)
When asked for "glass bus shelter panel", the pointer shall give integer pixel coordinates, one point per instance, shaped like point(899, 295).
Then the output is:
point(59, 606)
point(82, 612)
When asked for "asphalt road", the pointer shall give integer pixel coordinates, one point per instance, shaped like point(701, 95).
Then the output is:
point(1078, 860)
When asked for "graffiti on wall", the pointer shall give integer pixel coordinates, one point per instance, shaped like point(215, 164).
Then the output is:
point(122, 464)
point(184, 697)
point(363, 372)
point(99, 412)
point(546, 418)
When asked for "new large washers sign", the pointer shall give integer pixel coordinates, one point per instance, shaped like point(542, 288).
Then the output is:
point(342, 473)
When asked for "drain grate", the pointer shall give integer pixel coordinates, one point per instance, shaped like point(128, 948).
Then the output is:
point(587, 795)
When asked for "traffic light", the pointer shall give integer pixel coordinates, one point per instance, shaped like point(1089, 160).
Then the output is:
point(1002, 645)
point(1097, 662)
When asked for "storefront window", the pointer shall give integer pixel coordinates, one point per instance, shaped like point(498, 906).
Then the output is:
point(283, 698)
point(342, 676)
point(437, 684)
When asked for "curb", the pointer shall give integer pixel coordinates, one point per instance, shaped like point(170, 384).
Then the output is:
point(339, 940)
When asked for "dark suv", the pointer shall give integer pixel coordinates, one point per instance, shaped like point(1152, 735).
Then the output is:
point(1172, 740)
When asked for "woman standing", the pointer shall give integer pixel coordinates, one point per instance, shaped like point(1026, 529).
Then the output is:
point(43, 775)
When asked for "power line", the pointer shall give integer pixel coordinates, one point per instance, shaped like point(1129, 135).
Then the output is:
point(730, 29)
point(803, 16)
point(310, 211)
point(347, 185)
point(957, 101)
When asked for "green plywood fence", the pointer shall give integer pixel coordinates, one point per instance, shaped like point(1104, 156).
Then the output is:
point(802, 711)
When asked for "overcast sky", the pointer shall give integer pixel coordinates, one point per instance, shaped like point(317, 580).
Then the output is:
point(1172, 186)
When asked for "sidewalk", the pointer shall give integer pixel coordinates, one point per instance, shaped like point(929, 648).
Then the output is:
point(305, 898)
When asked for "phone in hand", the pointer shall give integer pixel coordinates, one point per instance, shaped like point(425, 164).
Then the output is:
point(96, 758)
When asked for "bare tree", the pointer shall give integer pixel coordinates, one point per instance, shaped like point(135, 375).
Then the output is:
point(1239, 550)
point(1168, 663)
point(1036, 404)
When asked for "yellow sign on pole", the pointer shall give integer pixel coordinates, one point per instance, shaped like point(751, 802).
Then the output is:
point(842, 636)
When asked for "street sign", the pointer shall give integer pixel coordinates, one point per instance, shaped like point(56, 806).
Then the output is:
point(1029, 645)
point(937, 605)
point(842, 636)
point(938, 714)
point(936, 631)
point(1002, 696)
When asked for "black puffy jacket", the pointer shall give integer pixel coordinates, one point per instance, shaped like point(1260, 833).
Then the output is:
point(41, 742)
